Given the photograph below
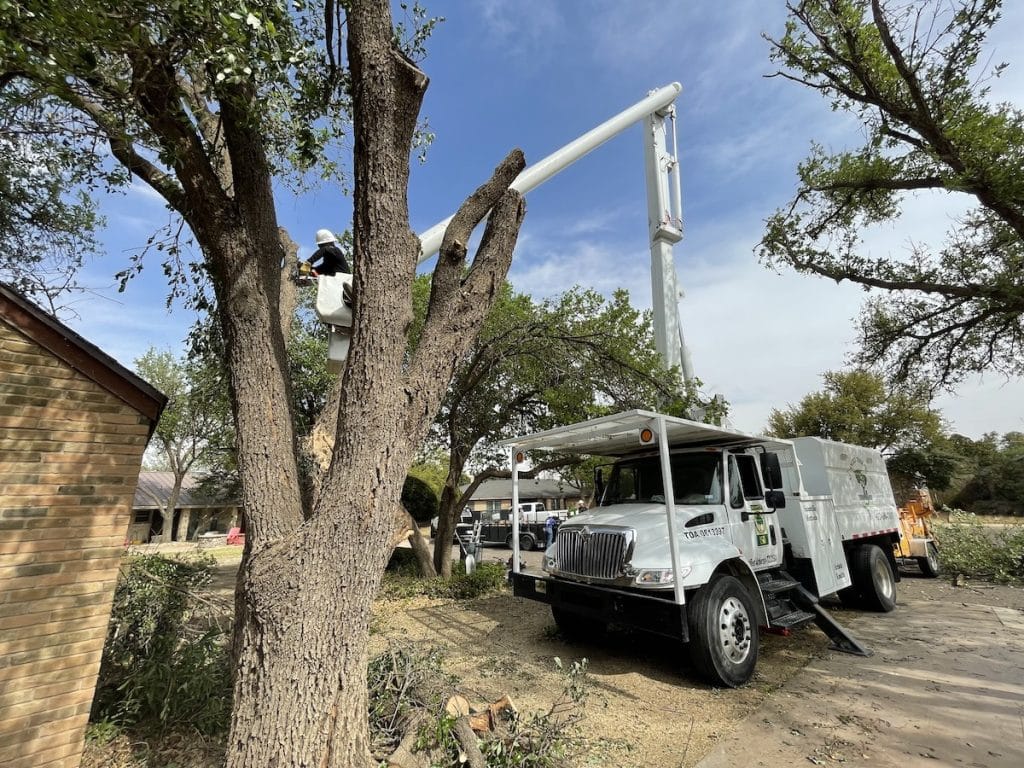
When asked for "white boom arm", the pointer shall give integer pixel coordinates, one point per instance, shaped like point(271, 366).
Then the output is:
point(664, 208)
point(664, 213)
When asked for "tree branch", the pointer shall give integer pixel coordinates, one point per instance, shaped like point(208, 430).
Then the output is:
point(122, 147)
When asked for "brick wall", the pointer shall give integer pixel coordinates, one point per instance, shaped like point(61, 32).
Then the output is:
point(69, 460)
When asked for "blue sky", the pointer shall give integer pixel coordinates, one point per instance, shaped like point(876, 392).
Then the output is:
point(536, 74)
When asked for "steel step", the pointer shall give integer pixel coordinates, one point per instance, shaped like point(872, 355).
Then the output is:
point(793, 619)
point(775, 586)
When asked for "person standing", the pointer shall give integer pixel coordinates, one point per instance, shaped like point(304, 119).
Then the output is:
point(551, 528)
point(328, 258)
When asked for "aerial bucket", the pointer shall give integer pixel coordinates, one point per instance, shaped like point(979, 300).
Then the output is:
point(332, 310)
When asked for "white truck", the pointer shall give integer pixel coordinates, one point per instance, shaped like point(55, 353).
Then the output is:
point(754, 531)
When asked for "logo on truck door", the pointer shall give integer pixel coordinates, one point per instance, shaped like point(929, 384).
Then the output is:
point(761, 529)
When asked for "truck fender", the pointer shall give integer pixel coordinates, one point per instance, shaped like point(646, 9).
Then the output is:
point(741, 570)
point(722, 556)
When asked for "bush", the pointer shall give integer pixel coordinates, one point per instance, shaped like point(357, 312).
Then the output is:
point(419, 499)
point(403, 579)
point(157, 668)
point(488, 577)
point(994, 553)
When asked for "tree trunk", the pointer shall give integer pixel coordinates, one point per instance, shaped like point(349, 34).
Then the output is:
point(420, 549)
point(308, 586)
point(446, 516)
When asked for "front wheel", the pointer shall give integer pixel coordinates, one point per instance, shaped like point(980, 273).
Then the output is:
point(873, 576)
point(723, 632)
point(930, 564)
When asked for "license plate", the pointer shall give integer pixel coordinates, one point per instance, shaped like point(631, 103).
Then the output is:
point(540, 586)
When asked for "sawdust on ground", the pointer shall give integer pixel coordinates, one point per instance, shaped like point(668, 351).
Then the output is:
point(645, 705)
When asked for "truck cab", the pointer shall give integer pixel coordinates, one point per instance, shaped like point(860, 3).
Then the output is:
point(719, 508)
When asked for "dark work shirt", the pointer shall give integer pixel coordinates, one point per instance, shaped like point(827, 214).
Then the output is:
point(329, 260)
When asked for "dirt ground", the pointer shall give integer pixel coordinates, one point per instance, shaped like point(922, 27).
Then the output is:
point(646, 706)
point(952, 655)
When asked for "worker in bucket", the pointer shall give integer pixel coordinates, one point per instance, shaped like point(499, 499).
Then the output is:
point(328, 258)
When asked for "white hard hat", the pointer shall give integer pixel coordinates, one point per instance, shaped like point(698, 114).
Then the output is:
point(325, 236)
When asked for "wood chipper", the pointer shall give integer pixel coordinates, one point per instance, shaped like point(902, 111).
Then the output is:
point(916, 540)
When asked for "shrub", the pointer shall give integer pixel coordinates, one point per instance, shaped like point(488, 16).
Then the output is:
point(403, 580)
point(419, 499)
point(995, 553)
point(488, 577)
point(157, 668)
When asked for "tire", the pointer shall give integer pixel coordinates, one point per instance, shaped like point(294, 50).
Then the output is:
point(850, 597)
point(526, 542)
point(930, 564)
point(724, 635)
point(573, 626)
point(874, 579)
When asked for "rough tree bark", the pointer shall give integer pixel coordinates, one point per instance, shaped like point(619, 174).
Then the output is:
point(311, 571)
point(300, 690)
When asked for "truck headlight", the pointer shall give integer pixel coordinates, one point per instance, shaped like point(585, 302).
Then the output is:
point(549, 564)
point(651, 576)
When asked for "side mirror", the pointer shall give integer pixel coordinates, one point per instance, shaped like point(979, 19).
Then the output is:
point(775, 499)
point(598, 484)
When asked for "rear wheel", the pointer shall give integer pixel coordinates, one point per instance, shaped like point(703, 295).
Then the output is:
point(526, 542)
point(723, 632)
point(874, 579)
point(573, 626)
point(930, 564)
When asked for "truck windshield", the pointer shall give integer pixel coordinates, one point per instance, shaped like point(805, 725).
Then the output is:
point(697, 478)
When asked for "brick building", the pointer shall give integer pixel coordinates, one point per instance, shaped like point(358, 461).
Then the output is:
point(73, 427)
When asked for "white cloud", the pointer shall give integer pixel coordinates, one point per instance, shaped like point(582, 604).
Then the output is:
point(522, 29)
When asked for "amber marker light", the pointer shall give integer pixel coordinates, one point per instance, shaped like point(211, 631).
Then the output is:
point(646, 435)
point(520, 457)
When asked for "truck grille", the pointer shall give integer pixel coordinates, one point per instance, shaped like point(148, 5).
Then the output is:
point(592, 552)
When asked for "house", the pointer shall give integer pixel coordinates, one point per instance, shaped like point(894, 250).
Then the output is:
point(73, 427)
point(195, 513)
point(495, 494)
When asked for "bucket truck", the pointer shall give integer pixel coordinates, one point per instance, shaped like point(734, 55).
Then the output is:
point(707, 535)
point(702, 534)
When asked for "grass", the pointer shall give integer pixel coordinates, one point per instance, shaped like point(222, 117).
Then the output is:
point(224, 554)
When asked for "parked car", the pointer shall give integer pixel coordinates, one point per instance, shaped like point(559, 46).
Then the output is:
point(466, 518)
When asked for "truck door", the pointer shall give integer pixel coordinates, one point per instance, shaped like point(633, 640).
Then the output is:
point(755, 531)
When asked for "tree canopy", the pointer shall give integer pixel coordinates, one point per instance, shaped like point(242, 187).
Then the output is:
point(536, 365)
point(992, 474)
point(917, 76)
point(213, 105)
point(857, 407)
point(47, 221)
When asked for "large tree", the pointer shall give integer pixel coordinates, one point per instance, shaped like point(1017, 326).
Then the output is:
point(204, 100)
point(858, 407)
point(916, 75)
